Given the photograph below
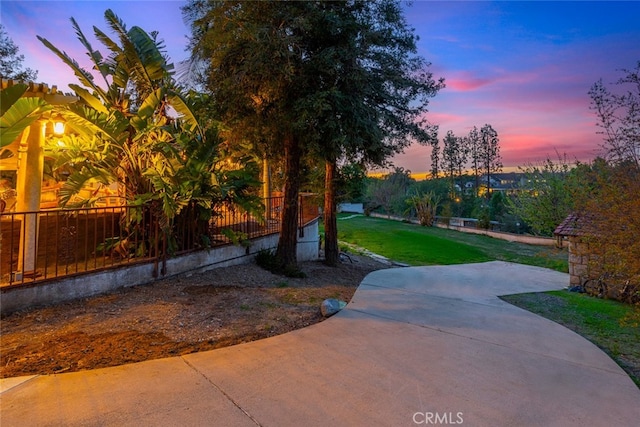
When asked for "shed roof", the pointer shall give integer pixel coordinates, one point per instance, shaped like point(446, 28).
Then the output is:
point(575, 224)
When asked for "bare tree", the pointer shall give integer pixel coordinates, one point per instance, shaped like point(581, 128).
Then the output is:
point(619, 116)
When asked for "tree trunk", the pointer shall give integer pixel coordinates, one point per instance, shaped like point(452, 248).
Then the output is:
point(331, 251)
point(488, 196)
point(476, 171)
point(287, 243)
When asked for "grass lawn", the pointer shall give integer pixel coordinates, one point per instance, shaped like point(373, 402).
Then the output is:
point(610, 325)
point(417, 245)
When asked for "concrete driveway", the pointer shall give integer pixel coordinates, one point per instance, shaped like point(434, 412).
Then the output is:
point(416, 346)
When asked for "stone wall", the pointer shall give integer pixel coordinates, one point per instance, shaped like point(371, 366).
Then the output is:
point(579, 257)
point(585, 269)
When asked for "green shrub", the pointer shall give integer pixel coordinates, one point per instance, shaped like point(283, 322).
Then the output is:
point(267, 260)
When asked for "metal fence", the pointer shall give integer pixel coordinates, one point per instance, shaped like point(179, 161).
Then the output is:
point(51, 244)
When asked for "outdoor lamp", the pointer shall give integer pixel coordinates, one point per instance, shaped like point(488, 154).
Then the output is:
point(58, 128)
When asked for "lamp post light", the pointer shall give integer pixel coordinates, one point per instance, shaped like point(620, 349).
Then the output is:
point(58, 128)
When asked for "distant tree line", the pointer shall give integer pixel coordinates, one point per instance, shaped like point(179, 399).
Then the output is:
point(478, 151)
point(398, 194)
point(462, 170)
point(604, 192)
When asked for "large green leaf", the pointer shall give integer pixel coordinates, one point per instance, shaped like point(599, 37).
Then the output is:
point(95, 56)
point(143, 120)
point(91, 100)
point(73, 185)
point(150, 54)
point(10, 95)
point(83, 75)
point(112, 64)
point(150, 104)
point(129, 58)
point(106, 40)
point(90, 123)
point(186, 114)
point(20, 115)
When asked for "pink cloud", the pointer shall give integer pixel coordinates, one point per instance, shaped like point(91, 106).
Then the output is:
point(534, 145)
point(546, 88)
point(463, 82)
point(444, 119)
point(415, 158)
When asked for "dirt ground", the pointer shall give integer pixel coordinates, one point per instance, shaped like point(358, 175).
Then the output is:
point(172, 317)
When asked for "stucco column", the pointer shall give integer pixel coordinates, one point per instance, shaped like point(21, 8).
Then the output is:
point(28, 188)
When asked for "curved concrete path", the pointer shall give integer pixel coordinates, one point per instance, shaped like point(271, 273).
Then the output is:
point(416, 346)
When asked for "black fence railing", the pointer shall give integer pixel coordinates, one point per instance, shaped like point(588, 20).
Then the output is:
point(51, 244)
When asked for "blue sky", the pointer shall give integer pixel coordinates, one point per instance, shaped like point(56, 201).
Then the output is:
point(523, 67)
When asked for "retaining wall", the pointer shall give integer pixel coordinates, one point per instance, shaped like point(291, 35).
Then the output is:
point(82, 286)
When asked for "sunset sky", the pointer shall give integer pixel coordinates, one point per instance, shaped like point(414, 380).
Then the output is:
point(523, 67)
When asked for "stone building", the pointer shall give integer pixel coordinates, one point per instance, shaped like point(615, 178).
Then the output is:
point(575, 229)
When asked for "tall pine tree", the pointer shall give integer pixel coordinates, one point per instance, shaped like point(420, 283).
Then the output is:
point(490, 159)
point(335, 80)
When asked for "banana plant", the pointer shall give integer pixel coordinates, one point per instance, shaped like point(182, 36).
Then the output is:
point(138, 129)
point(18, 113)
point(121, 129)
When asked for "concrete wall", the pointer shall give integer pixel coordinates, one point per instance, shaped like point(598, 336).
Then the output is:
point(21, 297)
point(309, 242)
point(351, 207)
